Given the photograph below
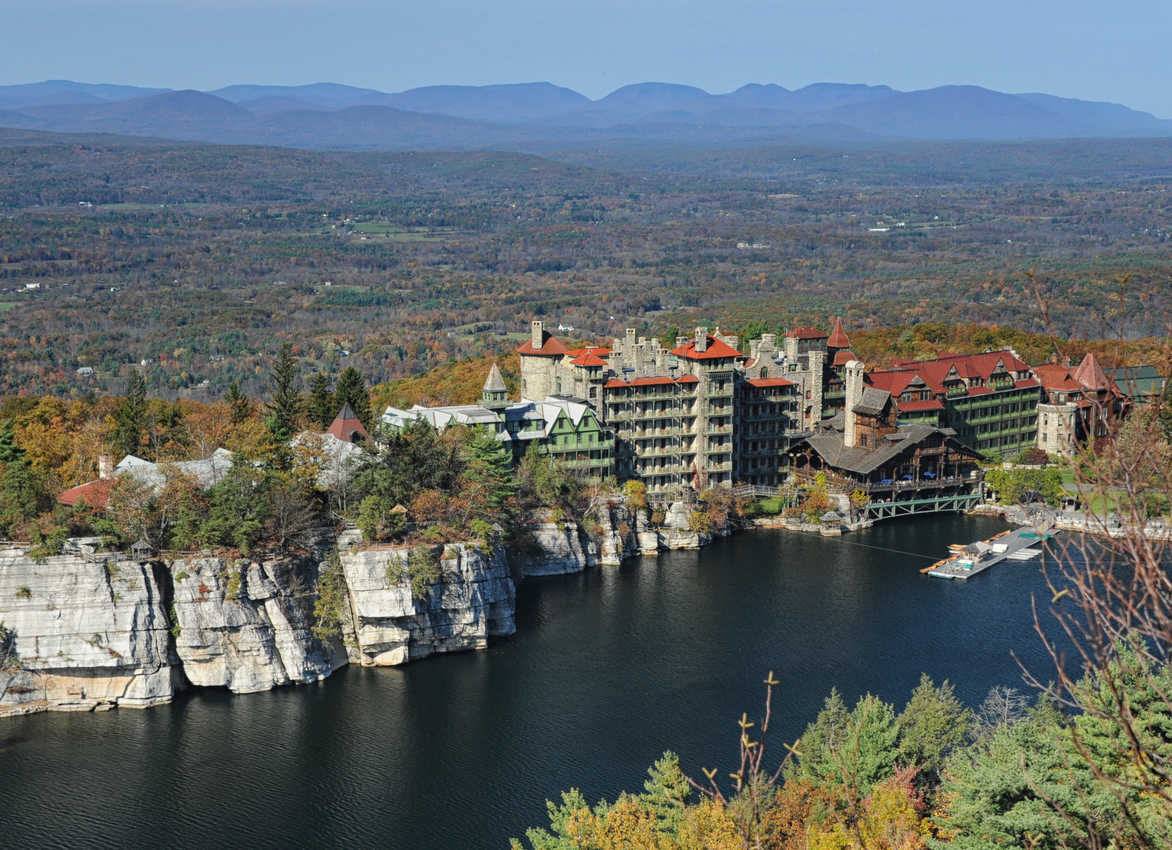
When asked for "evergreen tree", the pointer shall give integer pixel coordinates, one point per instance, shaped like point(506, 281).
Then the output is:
point(10, 452)
point(852, 751)
point(933, 724)
point(489, 473)
point(286, 403)
point(323, 403)
point(130, 416)
point(352, 389)
point(667, 792)
point(239, 405)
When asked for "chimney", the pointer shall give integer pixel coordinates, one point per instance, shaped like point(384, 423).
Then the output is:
point(854, 391)
point(536, 335)
point(701, 340)
point(105, 466)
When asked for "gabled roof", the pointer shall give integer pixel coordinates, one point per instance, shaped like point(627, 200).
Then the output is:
point(550, 346)
point(96, 494)
point(828, 443)
point(346, 424)
point(841, 358)
point(1057, 377)
point(838, 338)
point(495, 383)
point(872, 401)
point(951, 367)
point(805, 332)
point(717, 350)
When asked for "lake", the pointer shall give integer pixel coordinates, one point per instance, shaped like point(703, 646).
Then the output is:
point(607, 670)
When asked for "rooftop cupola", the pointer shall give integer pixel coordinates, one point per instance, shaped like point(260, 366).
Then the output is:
point(495, 394)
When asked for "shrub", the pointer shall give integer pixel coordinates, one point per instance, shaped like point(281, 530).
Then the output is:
point(24, 593)
point(332, 596)
point(635, 493)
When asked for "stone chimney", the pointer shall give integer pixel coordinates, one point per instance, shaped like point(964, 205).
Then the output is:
point(105, 466)
point(854, 391)
point(536, 335)
point(701, 340)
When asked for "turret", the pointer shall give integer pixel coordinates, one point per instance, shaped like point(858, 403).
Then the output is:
point(494, 396)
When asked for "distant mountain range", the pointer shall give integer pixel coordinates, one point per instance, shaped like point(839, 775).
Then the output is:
point(534, 115)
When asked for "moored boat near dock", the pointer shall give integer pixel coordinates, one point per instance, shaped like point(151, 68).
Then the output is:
point(967, 560)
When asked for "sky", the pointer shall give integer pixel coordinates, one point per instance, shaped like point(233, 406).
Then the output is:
point(1116, 51)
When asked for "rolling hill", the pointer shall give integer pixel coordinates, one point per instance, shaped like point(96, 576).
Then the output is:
point(537, 115)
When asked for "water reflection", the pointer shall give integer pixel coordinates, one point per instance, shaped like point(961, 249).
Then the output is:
point(607, 670)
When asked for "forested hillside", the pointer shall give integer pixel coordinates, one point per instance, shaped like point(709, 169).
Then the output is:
point(197, 261)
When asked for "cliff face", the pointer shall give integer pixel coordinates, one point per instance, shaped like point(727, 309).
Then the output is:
point(247, 625)
point(552, 548)
point(96, 630)
point(91, 632)
point(473, 599)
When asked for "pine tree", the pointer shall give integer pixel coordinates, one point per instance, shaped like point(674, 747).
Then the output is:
point(130, 416)
point(490, 472)
point(323, 403)
point(10, 452)
point(240, 406)
point(352, 389)
point(933, 724)
point(286, 403)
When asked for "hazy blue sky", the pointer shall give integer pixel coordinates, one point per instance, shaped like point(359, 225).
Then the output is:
point(1103, 51)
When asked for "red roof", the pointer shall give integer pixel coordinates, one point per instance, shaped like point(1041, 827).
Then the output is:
point(1057, 377)
point(979, 391)
point(96, 494)
point(805, 332)
point(600, 350)
point(921, 404)
point(841, 358)
point(1091, 375)
point(935, 372)
point(770, 382)
point(347, 425)
point(838, 337)
point(587, 358)
point(717, 350)
point(550, 346)
point(1027, 382)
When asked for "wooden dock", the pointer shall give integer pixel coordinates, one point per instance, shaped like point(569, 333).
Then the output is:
point(966, 561)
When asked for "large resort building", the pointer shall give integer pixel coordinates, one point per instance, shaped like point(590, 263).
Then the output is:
point(862, 448)
point(704, 413)
point(990, 400)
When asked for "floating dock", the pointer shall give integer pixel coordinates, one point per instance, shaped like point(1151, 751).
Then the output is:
point(965, 561)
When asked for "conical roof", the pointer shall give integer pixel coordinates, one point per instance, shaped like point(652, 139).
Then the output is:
point(838, 338)
point(495, 383)
point(1091, 375)
point(347, 427)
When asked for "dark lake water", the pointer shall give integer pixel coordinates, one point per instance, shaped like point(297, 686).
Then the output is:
point(606, 671)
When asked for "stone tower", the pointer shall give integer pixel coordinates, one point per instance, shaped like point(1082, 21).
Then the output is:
point(854, 391)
